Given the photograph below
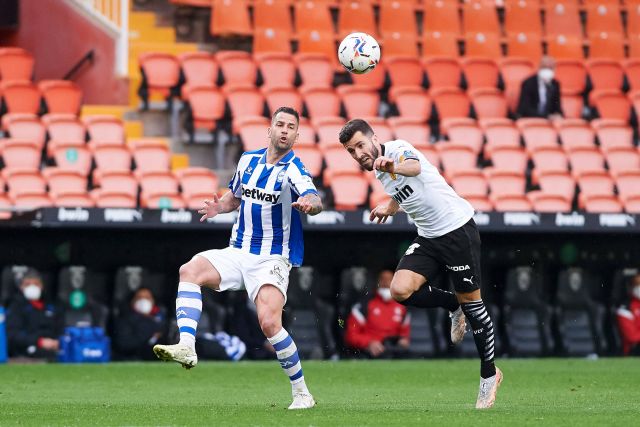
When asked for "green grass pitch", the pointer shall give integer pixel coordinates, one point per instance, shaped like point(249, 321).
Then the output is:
point(348, 393)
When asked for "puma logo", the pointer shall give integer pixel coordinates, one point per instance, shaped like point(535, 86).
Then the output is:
point(470, 279)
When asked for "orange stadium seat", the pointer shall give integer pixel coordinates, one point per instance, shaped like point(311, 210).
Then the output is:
point(594, 184)
point(400, 44)
point(156, 182)
point(450, 102)
point(73, 199)
point(311, 157)
point(470, 183)
point(439, 43)
point(104, 128)
point(163, 201)
point(20, 97)
point(505, 183)
point(116, 181)
point(112, 156)
point(514, 71)
point(252, 132)
point(559, 184)
point(321, 102)
point(634, 98)
point(349, 190)
point(114, 199)
point(199, 69)
point(500, 134)
point(61, 96)
point(480, 73)
point(512, 203)
point(15, 64)
point(430, 153)
point(61, 180)
point(549, 160)
point(522, 45)
point(550, 203)
point(150, 155)
point(479, 17)
point(441, 16)
point(381, 128)
point(480, 204)
point(378, 196)
point(509, 159)
point(603, 204)
point(572, 76)
point(276, 69)
point(318, 42)
point(269, 40)
point(27, 129)
point(374, 79)
point(632, 204)
point(315, 70)
point(632, 71)
point(603, 17)
point(230, 18)
point(611, 104)
point(244, 101)
point(442, 72)
point(572, 105)
point(356, 16)
point(161, 74)
point(397, 17)
point(20, 154)
point(576, 135)
point(585, 160)
point(337, 161)
point(20, 181)
point(488, 103)
point(312, 16)
point(328, 129)
point(628, 184)
point(538, 136)
point(359, 101)
point(66, 129)
point(563, 47)
point(465, 132)
point(411, 102)
point(71, 156)
point(622, 159)
point(482, 45)
point(237, 67)
point(197, 180)
point(307, 135)
point(605, 74)
point(412, 130)
point(562, 18)
point(607, 45)
point(264, 12)
point(279, 96)
point(32, 201)
point(522, 16)
point(207, 106)
point(456, 158)
point(404, 71)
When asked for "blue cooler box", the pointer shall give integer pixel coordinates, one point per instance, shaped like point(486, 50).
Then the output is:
point(84, 345)
point(3, 336)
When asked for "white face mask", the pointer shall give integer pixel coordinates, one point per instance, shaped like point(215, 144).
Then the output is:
point(546, 75)
point(143, 306)
point(385, 293)
point(636, 292)
point(32, 292)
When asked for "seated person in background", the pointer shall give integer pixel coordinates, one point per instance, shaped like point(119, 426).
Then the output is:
point(629, 320)
point(379, 326)
point(540, 93)
point(139, 327)
point(33, 326)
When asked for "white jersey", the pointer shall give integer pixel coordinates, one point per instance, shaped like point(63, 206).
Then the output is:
point(431, 203)
point(268, 224)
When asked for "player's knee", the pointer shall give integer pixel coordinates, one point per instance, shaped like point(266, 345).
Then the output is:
point(270, 325)
point(189, 272)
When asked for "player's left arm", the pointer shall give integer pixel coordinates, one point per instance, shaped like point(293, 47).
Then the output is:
point(408, 167)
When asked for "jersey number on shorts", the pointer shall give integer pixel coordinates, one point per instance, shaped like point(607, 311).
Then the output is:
point(412, 248)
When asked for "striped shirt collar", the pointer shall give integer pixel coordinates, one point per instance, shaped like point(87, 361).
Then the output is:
point(283, 161)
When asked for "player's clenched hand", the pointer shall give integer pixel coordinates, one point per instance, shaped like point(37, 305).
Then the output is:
point(303, 204)
point(381, 212)
point(384, 164)
point(210, 208)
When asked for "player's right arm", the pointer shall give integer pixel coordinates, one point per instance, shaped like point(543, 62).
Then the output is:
point(384, 211)
point(227, 203)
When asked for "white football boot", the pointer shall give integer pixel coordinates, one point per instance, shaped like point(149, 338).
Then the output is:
point(488, 390)
point(302, 400)
point(180, 353)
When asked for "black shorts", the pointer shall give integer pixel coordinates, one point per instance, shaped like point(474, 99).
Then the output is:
point(454, 256)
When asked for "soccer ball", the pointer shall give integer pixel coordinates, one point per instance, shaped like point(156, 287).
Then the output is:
point(359, 53)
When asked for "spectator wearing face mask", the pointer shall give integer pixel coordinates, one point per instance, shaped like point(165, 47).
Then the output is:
point(379, 326)
point(33, 325)
point(540, 93)
point(139, 327)
point(629, 320)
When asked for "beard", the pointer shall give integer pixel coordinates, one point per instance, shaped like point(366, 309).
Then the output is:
point(374, 154)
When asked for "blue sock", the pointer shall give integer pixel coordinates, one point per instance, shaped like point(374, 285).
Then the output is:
point(188, 310)
point(287, 353)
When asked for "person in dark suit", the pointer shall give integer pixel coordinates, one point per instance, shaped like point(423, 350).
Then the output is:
point(540, 93)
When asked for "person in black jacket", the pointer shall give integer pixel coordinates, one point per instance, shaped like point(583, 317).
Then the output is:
point(540, 93)
point(139, 327)
point(33, 325)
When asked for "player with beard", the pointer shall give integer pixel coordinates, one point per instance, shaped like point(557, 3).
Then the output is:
point(448, 242)
point(270, 187)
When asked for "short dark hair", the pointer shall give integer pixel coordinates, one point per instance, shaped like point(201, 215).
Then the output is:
point(353, 126)
point(287, 110)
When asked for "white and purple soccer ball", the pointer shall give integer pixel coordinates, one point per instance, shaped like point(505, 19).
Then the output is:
point(359, 53)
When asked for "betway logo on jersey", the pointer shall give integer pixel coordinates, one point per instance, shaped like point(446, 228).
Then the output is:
point(403, 194)
point(261, 195)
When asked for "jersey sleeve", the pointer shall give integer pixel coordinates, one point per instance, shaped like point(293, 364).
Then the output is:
point(404, 151)
point(300, 179)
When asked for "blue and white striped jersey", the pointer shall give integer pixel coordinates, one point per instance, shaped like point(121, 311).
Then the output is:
point(267, 223)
